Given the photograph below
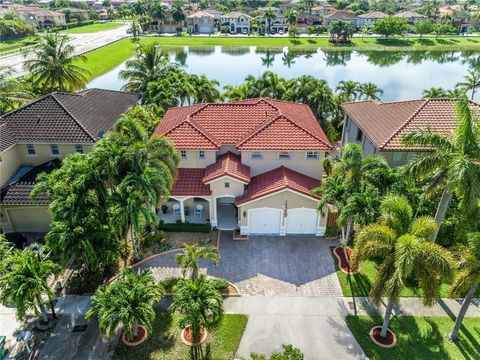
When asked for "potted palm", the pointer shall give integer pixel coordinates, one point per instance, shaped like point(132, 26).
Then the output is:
point(127, 302)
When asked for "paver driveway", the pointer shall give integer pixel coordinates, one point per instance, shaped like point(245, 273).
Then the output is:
point(267, 265)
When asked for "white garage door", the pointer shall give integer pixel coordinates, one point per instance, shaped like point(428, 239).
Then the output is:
point(264, 221)
point(302, 221)
point(204, 29)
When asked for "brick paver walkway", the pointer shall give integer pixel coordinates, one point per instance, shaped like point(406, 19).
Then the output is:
point(267, 265)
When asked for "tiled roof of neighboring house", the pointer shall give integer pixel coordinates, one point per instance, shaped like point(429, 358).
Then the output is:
point(235, 15)
point(189, 182)
point(386, 123)
point(66, 118)
point(276, 180)
point(340, 14)
point(18, 192)
point(227, 165)
point(259, 124)
point(410, 14)
point(373, 15)
point(37, 11)
point(204, 14)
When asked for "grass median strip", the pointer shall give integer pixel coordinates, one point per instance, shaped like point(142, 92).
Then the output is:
point(92, 28)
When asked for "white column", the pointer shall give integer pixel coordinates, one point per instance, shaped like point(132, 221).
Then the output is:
point(213, 213)
point(182, 211)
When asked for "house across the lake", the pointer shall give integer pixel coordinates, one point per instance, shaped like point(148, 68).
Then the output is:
point(248, 164)
point(379, 127)
point(35, 137)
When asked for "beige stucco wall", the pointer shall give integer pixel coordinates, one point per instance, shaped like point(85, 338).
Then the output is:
point(218, 187)
point(192, 160)
point(25, 218)
point(8, 164)
point(297, 162)
point(398, 158)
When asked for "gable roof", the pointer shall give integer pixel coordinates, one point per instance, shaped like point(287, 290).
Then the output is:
point(227, 165)
point(189, 182)
point(65, 118)
point(277, 180)
point(259, 124)
point(235, 15)
point(373, 15)
point(386, 123)
point(410, 14)
point(340, 14)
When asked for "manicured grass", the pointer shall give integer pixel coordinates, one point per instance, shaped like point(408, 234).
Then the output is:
point(93, 28)
point(9, 45)
point(419, 338)
point(165, 342)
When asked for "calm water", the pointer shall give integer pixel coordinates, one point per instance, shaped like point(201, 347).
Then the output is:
point(402, 75)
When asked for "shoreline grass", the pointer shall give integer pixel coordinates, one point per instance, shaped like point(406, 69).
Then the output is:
point(92, 28)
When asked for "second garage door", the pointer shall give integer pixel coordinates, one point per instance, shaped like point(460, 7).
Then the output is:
point(302, 221)
point(264, 221)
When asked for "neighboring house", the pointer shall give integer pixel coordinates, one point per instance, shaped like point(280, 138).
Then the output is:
point(203, 22)
point(80, 12)
point(370, 18)
point(344, 15)
point(166, 25)
point(305, 20)
point(36, 136)
point(322, 10)
point(248, 164)
point(276, 25)
point(411, 16)
point(379, 127)
point(237, 22)
point(40, 17)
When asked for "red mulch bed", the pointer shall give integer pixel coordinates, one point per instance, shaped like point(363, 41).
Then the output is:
point(188, 334)
point(343, 264)
point(389, 339)
point(140, 335)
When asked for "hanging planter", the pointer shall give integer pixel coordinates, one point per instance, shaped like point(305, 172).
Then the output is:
point(387, 342)
point(137, 340)
point(343, 262)
point(187, 336)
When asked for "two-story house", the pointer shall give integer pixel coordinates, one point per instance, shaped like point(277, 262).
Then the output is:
point(411, 16)
point(379, 127)
point(344, 15)
point(370, 18)
point(203, 21)
point(237, 22)
point(35, 137)
point(40, 17)
point(248, 164)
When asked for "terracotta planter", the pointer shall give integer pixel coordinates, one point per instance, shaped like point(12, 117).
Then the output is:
point(387, 342)
point(342, 262)
point(186, 336)
point(137, 340)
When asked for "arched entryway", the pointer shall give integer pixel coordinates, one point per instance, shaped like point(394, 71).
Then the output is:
point(227, 213)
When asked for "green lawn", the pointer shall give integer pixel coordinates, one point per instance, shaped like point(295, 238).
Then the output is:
point(165, 342)
point(93, 28)
point(419, 338)
point(9, 45)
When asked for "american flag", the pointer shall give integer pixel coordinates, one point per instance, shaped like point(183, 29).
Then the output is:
point(285, 209)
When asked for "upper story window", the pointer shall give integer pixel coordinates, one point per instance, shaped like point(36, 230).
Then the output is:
point(284, 155)
point(312, 155)
point(183, 154)
point(79, 149)
point(54, 150)
point(359, 135)
point(31, 149)
point(227, 185)
point(256, 155)
point(201, 154)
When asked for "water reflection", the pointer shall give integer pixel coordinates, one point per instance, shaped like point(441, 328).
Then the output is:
point(402, 75)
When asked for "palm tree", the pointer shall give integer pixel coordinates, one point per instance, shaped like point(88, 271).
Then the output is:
point(135, 27)
point(54, 68)
point(453, 161)
point(470, 82)
point(291, 16)
point(149, 64)
point(370, 91)
point(127, 302)
point(466, 280)
point(12, 91)
point(308, 5)
point(269, 15)
point(341, 30)
point(25, 283)
point(200, 304)
point(405, 252)
point(177, 11)
point(188, 260)
point(205, 90)
point(158, 10)
point(434, 92)
point(348, 90)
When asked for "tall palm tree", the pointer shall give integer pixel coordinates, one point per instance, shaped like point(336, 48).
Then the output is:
point(200, 304)
point(470, 82)
point(127, 302)
point(189, 258)
point(205, 90)
point(177, 11)
point(405, 252)
point(25, 283)
point(466, 280)
point(370, 91)
point(453, 161)
point(12, 91)
point(149, 64)
point(291, 16)
point(54, 65)
point(158, 10)
point(269, 15)
point(348, 90)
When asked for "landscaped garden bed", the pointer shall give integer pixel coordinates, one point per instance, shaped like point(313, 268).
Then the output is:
point(222, 285)
point(177, 239)
point(419, 338)
point(165, 342)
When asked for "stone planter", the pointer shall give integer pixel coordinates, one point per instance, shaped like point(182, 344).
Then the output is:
point(137, 340)
point(186, 336)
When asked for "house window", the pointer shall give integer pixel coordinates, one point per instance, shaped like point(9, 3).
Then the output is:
point(201, 154)
point(31, 149)
point(183, 154)
point(54, 150)
point(359, 135)
point(79, 148)
point(227, 185)
point(256, 155)
point(397, 156)
point(312, 155)
point(284, 155)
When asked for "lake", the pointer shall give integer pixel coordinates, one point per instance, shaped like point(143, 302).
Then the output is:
point(402, 75)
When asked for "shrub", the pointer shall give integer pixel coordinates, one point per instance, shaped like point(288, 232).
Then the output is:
point(169, 283)
point(220, 284)
point(85, 282)
point(186, 227)
point(331, 231)
point(153, 237)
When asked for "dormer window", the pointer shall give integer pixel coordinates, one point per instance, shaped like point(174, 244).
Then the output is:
point(183, 154)
point(201, 154)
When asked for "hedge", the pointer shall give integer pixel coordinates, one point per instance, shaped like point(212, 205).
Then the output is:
point(186, 227)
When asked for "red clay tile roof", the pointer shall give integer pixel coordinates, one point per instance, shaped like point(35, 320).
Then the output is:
point(276, 180)
point(189, 182)
point(227, 165)
point(235, 122)
point(340, 14)
point(386, 123)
